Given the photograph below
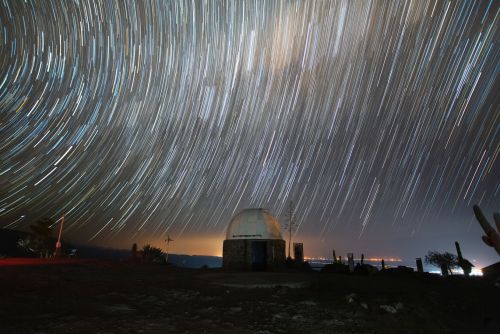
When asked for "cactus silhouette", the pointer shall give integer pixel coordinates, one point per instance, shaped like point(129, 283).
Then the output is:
point(463, 263)
point(492, 237)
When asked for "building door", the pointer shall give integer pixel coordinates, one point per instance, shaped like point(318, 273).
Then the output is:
point(259, 255)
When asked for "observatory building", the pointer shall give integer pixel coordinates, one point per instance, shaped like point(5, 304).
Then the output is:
point(253, 241)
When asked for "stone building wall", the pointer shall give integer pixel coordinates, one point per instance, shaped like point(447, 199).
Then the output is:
point(234, 254)
point(276, 257)
point(237, 253)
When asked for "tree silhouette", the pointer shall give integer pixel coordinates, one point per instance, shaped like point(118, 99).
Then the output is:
point(153, 254)
point(445, 261)
point(38, 241)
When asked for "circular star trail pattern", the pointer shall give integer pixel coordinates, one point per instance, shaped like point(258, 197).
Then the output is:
point(148, 118)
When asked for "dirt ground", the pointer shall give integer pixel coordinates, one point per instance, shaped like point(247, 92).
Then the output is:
point(112, 297)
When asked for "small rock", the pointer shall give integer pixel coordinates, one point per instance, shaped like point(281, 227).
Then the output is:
point(119, 308)
point(209, 298)
point(206, 310)
point(338, 322)
point(351, 298)
point(206, 322)
point(235, 309)
point(282, 290)
point(150, 299)
point(280, 315)
point(309, 303)
point(389, 309)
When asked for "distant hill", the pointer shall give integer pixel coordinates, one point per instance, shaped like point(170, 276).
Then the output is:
point(195, 261)
point(9, 248)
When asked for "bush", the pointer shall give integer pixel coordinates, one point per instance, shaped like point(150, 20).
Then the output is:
point(445, 261)
point(38, 241)
point(153, 254)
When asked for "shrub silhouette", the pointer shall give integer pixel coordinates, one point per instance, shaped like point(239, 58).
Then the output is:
point(445, 261)
point(153, 254)
point(38, 241)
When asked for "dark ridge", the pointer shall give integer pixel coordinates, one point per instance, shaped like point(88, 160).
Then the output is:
point(9, 248)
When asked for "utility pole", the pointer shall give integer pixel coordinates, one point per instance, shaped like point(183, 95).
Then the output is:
point(290, 225)
point(58, 251)
point(168, 242)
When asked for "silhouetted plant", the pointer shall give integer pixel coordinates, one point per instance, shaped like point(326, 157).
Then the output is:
point(153, 254)
point(492, 237)
point(134, 252)
point(465, 264)
point(38, 241)
point(445, 261)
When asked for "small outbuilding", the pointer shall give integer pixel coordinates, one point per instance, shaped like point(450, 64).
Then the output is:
point(254, 242)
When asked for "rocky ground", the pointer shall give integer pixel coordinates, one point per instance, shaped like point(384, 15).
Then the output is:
point(107, 297)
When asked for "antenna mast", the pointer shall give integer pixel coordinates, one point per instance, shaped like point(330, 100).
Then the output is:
point(168, 242)
point(290, 226)
point(58, 251)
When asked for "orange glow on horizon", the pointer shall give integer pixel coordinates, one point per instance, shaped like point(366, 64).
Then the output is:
point(193, 245)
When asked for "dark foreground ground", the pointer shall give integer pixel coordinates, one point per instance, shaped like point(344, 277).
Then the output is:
point(107, 297)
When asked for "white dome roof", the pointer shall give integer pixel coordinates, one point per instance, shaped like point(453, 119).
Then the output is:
point(254, 224)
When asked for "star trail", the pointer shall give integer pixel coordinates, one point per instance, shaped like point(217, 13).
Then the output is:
point(139, 119)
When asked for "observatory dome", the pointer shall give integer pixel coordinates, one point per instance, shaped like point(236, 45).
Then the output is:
point(253, 224)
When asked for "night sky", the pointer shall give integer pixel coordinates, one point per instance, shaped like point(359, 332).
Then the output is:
point(380, 120)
